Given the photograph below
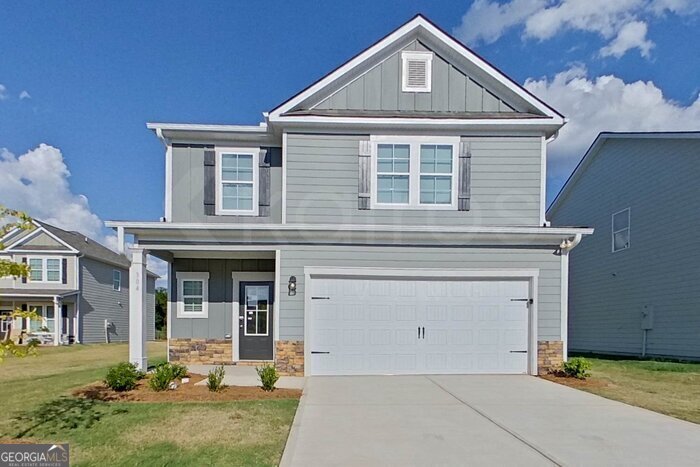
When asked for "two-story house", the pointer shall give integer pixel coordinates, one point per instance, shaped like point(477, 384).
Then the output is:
point(78, 288)
point(387, 219)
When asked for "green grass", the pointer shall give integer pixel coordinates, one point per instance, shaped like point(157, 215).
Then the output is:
point(667, 387)
point(37, 389)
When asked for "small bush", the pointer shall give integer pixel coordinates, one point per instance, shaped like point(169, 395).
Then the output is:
point(215, 379)
point(123, 377)
point(166, 373)
point(179, 371)
point(577, 367)
point(268, 377)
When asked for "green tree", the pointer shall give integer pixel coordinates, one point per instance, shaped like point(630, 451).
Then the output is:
point(161, 311)
point(11, 219)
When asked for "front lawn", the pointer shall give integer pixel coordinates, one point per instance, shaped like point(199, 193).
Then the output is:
point(666, 387)
point(38, 390)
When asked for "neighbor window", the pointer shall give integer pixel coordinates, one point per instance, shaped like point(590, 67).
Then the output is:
point(116, 280)
point(237, 181)
point(45, 269)
point(414, 172)
point(193, 292)
point(621, 230)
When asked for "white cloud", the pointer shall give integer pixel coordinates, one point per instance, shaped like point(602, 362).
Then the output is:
point(24, 95)
point(3, 92)
point(159, 267)
point(623, 23)
point(606, 103)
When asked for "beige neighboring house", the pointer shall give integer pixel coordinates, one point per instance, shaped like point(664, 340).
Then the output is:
point(77, 286)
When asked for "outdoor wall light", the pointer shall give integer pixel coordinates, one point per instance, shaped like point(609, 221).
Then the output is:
point(292, 286)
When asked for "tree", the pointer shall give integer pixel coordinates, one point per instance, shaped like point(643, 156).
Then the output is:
point(11, 219)
point(161, 309)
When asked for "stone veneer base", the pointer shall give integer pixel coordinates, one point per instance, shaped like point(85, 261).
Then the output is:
point(550, 356)
point(289, 358)
point(201, 351)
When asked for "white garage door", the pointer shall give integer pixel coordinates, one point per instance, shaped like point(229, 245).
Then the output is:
point(387, 326)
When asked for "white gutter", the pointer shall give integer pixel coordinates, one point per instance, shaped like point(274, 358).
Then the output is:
point(261, 128)
point(570, 243)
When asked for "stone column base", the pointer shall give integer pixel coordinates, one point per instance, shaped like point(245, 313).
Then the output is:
point(201, 351)
point(550, 356)
point(289, 358)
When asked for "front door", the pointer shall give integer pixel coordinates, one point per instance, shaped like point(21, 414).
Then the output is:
point(255, 320)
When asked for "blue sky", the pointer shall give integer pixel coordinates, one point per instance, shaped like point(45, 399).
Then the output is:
point(85, 77)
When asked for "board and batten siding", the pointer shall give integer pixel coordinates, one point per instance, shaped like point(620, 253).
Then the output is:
point(188, 187)
point(99, 302)
point(658, 180)
point(380, 89)
point(219, 323)
point(322, 183)
point(294, 259)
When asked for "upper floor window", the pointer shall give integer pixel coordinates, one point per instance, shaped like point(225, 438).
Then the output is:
point(116, 280)
point(45, 269)
point(416, 71)
point(414, 172)
point(621, 230)
point(193, 294)
point(237, 181)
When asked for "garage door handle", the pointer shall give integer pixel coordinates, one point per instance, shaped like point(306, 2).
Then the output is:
point(528, 300)
point(320, 298)
point(518, 351)
point(317, 351)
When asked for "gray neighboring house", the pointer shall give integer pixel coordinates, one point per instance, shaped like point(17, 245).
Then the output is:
point(387, 219)
point(634, 284)
point(72, 273)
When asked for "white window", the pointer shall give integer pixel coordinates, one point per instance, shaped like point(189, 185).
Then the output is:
point(193, 294)
point(414, 172)
point(621, 230)
point(416, 71)
point(237, 181)
point(45, 269)
point(116, 280)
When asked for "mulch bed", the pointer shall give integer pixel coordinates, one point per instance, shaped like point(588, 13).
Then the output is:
point(575, 382)
point(184, 393)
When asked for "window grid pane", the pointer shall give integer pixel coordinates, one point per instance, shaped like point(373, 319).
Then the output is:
point(393, 167)
point(37, 269)
point(237, 182)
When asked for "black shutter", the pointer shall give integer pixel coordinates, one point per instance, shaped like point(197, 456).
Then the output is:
point(64, 271)
point(64, 312)
point(24, 278)
point(209, 182)
point(264, 180)
point(364, 175)
point(464, 186)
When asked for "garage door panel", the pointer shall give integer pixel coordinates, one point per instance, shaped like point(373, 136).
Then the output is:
point(371, 326)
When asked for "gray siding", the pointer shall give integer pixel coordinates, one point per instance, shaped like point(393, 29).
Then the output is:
point(294, 259)
point(380, 89)
point(99, 301)
point(658, 180)
point(9, 282)
point(221, 295)
point(188, 188)
point(322, 183)
point(42, 241)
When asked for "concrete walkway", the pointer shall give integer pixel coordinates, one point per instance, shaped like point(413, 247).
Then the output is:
point(477, 420)
point(245, 376)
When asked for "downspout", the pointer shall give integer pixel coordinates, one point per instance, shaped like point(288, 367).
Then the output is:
point(543, 179)
point(565, 247)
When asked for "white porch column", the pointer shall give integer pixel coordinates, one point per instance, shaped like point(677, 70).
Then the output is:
point(137, 309)
point(57, 320)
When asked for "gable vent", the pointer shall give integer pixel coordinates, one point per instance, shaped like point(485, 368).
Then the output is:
point(416, 71)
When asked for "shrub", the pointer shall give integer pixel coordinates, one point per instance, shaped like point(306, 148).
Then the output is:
point(577, 367)
point(268, 377)
point(179, 371)
point(166, 373)
point(123, 377)
point(215, 379)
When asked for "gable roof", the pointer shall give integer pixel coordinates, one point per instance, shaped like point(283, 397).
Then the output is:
point(595, 148)
point(420, 27)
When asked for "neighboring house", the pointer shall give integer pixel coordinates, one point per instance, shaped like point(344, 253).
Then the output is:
point(389, 218)
point(634, 284)
point(70, 272)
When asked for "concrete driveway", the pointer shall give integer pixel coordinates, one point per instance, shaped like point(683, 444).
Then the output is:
point(477, 420)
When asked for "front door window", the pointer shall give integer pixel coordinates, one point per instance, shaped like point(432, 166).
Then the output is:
point(256, 312)
point(257, 302)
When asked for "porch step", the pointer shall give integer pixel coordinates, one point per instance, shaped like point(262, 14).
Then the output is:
point(253, 362)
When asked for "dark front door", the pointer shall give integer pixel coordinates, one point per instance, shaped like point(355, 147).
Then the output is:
point(255, 320)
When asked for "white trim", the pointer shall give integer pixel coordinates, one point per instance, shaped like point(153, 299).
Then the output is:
point(311, 272)
point(44, 269)
point(236, 278)
point(169, 311)
point(267, 315)
point(284, 177)
point(39, 229)
point(193, 276)
point(255, 153)
point(628, 229)
point(278, 296)
point(416, 23)
point(535, 123)
point(415, 142)
point(564, 288)
point(168, 183)
point(260, 128)
point(418, 56)
point(543, 181)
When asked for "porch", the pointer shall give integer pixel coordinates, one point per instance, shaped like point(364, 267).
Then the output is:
point(58, 312)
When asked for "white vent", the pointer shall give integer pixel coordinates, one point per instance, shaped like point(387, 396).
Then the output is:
point(417, 71)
